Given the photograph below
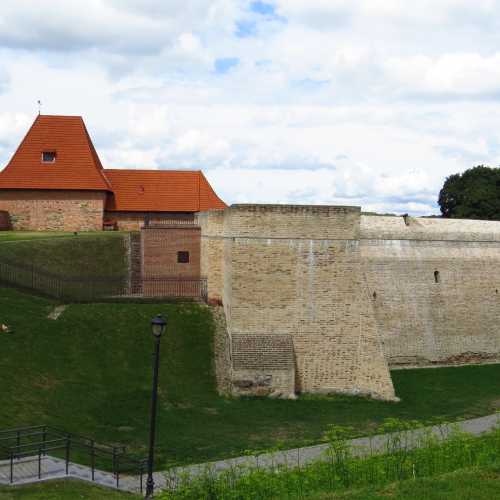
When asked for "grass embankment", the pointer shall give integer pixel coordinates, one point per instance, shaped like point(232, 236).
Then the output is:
point(84, 255)
point(465, 484)
point(63, 490)
point(89, 372)
point(343, 475)
point(33, 235)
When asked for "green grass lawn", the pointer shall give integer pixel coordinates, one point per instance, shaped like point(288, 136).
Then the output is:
point(467, 484)
point(86, 254)
point(31, 235)
point(37, 235)
point(63, 490)
point(90, 373)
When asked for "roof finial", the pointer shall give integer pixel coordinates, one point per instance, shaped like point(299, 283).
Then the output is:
point(39, 106)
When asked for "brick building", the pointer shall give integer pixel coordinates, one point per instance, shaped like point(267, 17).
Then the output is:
point(55, 181)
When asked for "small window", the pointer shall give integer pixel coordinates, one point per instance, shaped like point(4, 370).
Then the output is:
point(437, 277)
point(183, 257)
point(48, 156)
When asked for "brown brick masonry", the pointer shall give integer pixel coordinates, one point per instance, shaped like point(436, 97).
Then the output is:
point(39, 210)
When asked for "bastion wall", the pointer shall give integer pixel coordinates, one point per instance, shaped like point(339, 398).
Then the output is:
point(295, 299)
point(434, 285)
point(341, 297)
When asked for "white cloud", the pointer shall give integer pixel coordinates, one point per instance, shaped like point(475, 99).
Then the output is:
point(460, 74)
point(124, 26)
point(351, 102)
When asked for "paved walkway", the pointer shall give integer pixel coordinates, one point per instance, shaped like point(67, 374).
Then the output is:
point(26, 470)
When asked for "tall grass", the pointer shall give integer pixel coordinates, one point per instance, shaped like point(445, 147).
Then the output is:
point(409, 452)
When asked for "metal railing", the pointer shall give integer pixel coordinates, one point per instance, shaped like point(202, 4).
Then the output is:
point(164, 286)
point(159, 221)
point(58, 286)
point(88, 289)
point(23, 451)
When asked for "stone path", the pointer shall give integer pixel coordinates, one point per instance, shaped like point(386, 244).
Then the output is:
point(56, 312)
point(26, 470)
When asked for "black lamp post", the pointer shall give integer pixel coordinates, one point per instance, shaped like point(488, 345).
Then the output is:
point(158, 327)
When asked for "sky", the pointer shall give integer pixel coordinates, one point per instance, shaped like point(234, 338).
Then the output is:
point(370, 103)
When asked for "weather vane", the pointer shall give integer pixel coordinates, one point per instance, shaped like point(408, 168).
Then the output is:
point(39, 106)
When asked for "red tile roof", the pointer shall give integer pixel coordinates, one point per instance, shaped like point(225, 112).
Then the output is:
point(77, 165)
point(161, 191)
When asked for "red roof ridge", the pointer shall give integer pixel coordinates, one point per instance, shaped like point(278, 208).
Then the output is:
point(181, 170)
point(60, 116)
point(161, 191)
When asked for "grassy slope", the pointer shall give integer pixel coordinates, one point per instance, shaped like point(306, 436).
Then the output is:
point(43, 235)
point(63, 490)
point(31, 235)
point(87, 254)
point(90, 372)
point(467, 484)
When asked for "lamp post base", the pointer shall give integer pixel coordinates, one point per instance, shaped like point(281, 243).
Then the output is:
point(150, 485)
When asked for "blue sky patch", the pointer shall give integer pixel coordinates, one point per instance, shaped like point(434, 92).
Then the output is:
point(246, 28)
point(309, 83)
point(224, 64)
point(266, 9)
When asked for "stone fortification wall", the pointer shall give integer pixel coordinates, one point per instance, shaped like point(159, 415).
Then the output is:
point(380, 227)
point(351, 292)
point(434, 285)
point(38, 210)
point(212, 252)
point(295, 271)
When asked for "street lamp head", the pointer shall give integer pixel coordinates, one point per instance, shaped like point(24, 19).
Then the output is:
point(158, 325)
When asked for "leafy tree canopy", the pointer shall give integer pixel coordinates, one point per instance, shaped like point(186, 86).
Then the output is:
point(474, 194)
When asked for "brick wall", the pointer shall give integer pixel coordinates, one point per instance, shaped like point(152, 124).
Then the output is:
point(295, 271)
point(37, 210)
point(212, 251)
point(263, 365)
point(160, 246)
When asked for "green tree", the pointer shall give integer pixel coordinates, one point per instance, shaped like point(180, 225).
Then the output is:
point(474, 194)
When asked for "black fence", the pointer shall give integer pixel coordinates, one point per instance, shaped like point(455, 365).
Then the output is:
point(23, 456)
point(174, 287)
point(58, 286)
point(89, 289)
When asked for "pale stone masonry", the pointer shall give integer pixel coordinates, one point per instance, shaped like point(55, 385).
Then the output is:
point(354, 295)
point(435, 288)
point(295, 271)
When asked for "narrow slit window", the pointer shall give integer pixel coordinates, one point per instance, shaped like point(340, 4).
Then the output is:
point(437, 277)
point(183, 257)
point(48, 157)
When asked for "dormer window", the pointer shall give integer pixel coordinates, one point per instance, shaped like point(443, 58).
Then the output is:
point(48, 157)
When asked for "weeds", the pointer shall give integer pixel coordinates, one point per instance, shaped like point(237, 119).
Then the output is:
point(407, 451)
